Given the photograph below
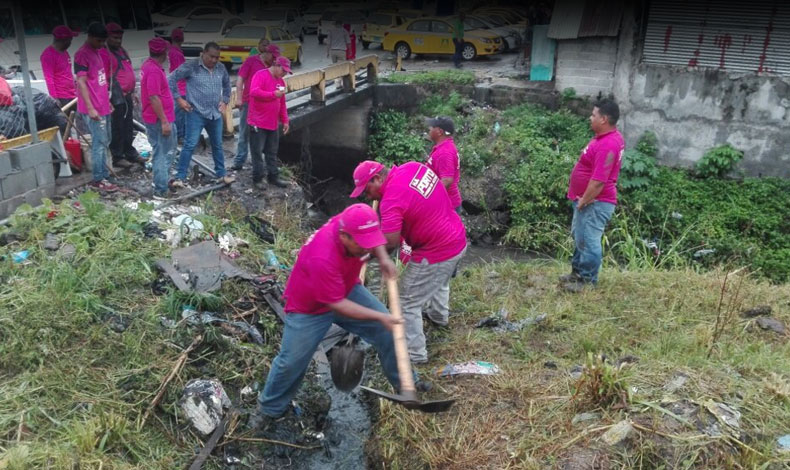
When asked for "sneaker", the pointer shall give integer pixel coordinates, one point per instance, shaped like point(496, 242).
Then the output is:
point(237, 167)
point(276, 181)
point(575, 287)
point(259, 421)
point(177, 184)
point(572, 277)
point(227, 179)
point(104, 186)
point(122, 163)
point(160, 196)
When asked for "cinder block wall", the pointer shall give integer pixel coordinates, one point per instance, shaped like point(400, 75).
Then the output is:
point(586, 65)
point(26, 176)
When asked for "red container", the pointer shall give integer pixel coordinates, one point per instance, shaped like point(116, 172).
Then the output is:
point(75, 152)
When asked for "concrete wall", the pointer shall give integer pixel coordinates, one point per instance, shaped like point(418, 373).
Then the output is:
point(26, 177)
point(586, 65)
point(692, 111)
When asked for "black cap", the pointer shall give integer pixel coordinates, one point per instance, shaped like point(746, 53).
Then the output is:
point(97, 30)
point(442, 122)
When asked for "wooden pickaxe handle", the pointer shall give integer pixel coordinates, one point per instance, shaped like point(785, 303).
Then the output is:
point(365, 266)
point(407, 388)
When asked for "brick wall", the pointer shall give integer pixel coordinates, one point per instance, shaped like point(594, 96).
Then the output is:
point(26, 177)
point(586, 65)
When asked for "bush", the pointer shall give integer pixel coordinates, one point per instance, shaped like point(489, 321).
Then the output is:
point(639, 165)
point(718, 162)
point(437, 77)
point(391, 142)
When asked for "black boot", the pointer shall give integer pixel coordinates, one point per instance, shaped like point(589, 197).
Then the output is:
point(276, 181)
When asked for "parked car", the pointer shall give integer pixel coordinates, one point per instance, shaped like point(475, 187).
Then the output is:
point(376, 24)
point(313, 14)
point(355, 18)
point(200, 31)
point(242, 39)
point(431, 35)
point(179, 14)
point(286, 18)
point(511, 36)
point(510, 17)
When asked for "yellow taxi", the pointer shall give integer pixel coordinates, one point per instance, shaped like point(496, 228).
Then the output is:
point(429, 35)
point(377, 24)
point(243, 40)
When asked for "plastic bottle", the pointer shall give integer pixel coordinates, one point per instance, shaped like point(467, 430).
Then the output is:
point(497, 128)
point(271, 259)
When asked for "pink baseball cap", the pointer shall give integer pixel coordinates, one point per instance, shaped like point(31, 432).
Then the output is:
point(158, 46)
point(362, 224)
point(273, 50)
point(177, 34)
point(363, 173)
point(114, 28)
point(283, 62)
point(63, 32)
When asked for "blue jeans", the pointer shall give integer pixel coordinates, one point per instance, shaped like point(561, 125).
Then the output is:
point(264, 142)
point(243, 148)
point(587, 229)
point(195, 125)
point(302, 335)
point(164, 151)
point(181, 119)
point(100, 139)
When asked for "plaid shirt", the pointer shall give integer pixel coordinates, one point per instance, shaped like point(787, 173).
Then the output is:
point(205, 87)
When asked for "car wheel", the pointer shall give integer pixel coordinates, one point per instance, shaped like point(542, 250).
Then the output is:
point(228, 66)
point(365, 44)
point(298, 60)
point(468, 52)
point(402, 50)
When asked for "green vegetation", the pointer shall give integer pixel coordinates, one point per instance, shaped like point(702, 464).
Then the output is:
point(434, 77)
point(718, 162)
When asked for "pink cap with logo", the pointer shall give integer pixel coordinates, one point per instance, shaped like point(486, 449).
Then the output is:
point(158, 46)
point(273, 50)
point(283, 62)
point(362, 224)
point(63, 32)
point(363, 173)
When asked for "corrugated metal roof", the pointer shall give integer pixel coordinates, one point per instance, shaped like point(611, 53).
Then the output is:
point(727, 35)
point(566, 18)
point(601, 18)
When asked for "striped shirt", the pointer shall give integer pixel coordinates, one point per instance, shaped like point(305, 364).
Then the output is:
point(205, 88)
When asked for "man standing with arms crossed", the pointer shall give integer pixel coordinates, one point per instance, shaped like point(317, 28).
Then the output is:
point(208, 94)
point(444, 159)
point(593, 190)
point(415, 207)
point(176, 57)
point(249, 68)
point(93, 102)
point(158, 114)
point(56, 66)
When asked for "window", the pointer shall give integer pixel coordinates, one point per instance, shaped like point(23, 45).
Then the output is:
point(230, 24)
point(474, 23)
point(379, 19)
point(441, 27)
point(205, 11)
point(422, 26)
point(203, 26)
point(247, 32)
point(398, 21)
point(276, 34)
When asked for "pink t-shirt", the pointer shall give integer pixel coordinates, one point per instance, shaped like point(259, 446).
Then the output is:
point(248, 69)
point(88, 63)
point(125, 77)
point(599, 161)
point(176, 57)
point(323, 274)
point(444, 162)
point(265, 109)
point(56, 67)
point(415, 203)
point(153, 82)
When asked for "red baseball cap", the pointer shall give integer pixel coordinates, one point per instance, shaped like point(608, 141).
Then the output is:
point(114, 28)
point(158, 46)
point(63, 32)
point(177, 34)
point(273, 50)
point(362, 224)
point(363, 173)
point(283, 62)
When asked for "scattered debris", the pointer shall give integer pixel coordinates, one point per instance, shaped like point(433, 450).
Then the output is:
point(141, 144)
point(261, 228)
point(201, 268)
point(726, 415)
point(203, 403)
point(117, 322)
point(229, 244)
point(771, 324)
point(152, 230)
point(759, 311)
point(700, 253)
point(618, 433)
point(237, 328)
point(582, 417)
point(247, 394)
point(167, 323)
point(51, 242)
point(550, 365)
point(784, 443)
point(676, 383)
point(628, 359)
point(20, 256)
point(219, 431)
point(676, 215)
point(576, 371)
point(271, 259)
point(469, 368)
point(499, 322)
point(67, 252)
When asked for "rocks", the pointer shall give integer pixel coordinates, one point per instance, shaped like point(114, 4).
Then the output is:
point(771, 324)
point(576, 372)
point(203, 403)
point(628, 359)
point(583, 417)
point(51, 242)
point(618, 433)
point(677, 382)
point(759, 311)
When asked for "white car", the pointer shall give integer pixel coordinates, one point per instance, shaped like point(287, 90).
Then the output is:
point(510, 34)
point(179, 14)
point(202, 30)
point(281, 17)
point(355, 18)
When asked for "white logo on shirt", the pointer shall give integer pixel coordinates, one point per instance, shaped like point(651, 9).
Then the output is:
point(426, 184)
point(102, 77)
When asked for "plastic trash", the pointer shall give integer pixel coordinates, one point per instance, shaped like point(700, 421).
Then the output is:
point(705, 252)
point(617, 433)
point(469, 368)
point(784, 443)
point(271, 259)
point(20, 256)
point(187, 223)
point(141, 144)
point(499, 322)
point(497, 128)
point(204, 403)
point(193, 317)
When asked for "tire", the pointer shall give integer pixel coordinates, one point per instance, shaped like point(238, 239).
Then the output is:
point(298, 60)
point(403, 50)
point(468, 52)
point(228, 66)
point(365, 44)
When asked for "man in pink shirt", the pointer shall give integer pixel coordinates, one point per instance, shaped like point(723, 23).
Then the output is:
point(266, 110)
point(324, 288)
point(415, 207)
point(252, 65)
point(593, 190)
point(158, 114)
point(176, 57)
point(56, 66)
point(93, 102)
point(444, 159)
point(122, 85)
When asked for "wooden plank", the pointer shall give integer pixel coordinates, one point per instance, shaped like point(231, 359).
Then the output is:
point(227, 116)
point(43, 135)
point(304, 80)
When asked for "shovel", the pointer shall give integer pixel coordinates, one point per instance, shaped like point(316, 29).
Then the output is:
point(408, 393)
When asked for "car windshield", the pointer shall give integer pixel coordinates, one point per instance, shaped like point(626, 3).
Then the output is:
point(247, 32)
point(384, 20)
point(474, 23)
point(495, 20)
point(270, 15)
point(203, 26)
point(178, 10)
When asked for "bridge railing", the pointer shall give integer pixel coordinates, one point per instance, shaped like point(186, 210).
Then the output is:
point(317, 80)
